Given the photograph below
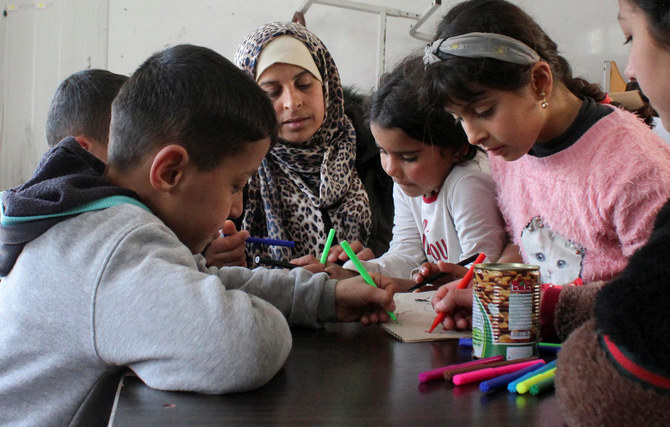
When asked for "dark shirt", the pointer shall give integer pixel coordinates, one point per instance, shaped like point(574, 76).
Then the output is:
point(589, 113)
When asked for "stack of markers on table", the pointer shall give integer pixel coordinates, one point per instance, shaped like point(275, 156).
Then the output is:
point(518, 376)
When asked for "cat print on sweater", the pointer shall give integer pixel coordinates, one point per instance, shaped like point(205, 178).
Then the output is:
point(559, 259)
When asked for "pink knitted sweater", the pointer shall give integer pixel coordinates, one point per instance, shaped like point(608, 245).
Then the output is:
point(597, 199)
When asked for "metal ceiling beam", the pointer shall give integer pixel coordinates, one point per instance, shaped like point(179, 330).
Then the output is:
point(384, 13)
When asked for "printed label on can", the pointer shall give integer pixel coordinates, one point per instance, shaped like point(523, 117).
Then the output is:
point(505, 310)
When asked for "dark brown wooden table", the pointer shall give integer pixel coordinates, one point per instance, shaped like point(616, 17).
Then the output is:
point(345, 374)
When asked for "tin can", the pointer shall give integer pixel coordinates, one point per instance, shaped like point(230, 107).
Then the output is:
point(506, 310)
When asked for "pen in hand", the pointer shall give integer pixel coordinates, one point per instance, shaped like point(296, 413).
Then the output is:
point(430, 279)
point(462, 284)
point(273, 262)
point(266, 241)
point(259, 260)
point(361, 270)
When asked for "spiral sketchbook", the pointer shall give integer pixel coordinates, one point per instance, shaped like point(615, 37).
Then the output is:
point(415, 315)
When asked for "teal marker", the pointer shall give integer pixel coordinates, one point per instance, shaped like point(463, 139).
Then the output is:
point(361, 270)
point(326, 249)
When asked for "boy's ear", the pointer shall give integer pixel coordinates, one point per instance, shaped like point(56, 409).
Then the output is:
point(542, 78)
point(84, 142)
point(167, 168)
point(92, 146)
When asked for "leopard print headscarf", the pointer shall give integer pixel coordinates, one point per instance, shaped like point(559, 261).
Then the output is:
point(296, 185)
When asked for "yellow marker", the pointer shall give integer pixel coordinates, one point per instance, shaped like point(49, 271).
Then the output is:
point(524, 386)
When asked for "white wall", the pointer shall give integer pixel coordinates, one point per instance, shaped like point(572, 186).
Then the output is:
point(40, 47)
point(351, 36)
point(586, 32)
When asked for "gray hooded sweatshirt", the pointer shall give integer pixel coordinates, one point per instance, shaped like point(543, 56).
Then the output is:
point(112, 287)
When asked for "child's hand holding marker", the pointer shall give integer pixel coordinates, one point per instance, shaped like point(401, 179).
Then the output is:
point(386, 283)
point(355, 299)
point(453, 301)
point(432, 274)
point(440, 273)
point(227, 249)
point(456, 304)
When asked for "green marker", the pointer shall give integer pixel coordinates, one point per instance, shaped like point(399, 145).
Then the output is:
point(326, 249)
point(546, 384)
point(361, 270)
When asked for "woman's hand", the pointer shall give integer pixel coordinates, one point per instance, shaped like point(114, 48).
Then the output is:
point(309, 263)
point(336, 253)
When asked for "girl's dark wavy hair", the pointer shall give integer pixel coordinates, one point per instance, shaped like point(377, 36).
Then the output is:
point(657, 13)
point(395, 104)
point(459, 79)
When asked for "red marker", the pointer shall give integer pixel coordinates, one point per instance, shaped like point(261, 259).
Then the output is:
point(464, 282)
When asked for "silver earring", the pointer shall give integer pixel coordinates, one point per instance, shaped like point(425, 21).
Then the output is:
point(544, 103)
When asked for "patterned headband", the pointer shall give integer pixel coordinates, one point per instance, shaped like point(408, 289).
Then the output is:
point(480, 45)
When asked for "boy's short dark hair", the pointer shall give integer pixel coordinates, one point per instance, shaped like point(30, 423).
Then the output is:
point(191, 96)
point(82, 106)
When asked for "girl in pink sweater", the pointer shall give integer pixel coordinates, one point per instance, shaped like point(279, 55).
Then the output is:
point(579, 182)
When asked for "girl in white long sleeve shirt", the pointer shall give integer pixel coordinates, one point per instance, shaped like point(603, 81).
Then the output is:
point(444, 197)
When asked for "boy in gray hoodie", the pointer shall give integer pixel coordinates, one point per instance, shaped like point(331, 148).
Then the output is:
point(102, 265)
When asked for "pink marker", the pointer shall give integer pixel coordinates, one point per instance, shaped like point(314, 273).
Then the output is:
point(488, 373)
point(435, 374)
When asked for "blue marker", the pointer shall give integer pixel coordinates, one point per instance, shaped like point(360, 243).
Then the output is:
point(270, 242)
point(465, 342)
point(502, 381)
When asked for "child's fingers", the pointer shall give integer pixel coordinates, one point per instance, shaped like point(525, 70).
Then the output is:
point(366, 254)
point(440, 294)
point(448, 323)
point(226, 251)
point(426, 269)
point(229, 228)
point(463, 322)
point(357, 300)
point(460, 319)
point(382, 295)
point(453, 269)
point(455, 299)
point(232, 240)
point(385, 282)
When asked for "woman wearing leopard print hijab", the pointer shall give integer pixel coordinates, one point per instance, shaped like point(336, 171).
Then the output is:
point(307, 183)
